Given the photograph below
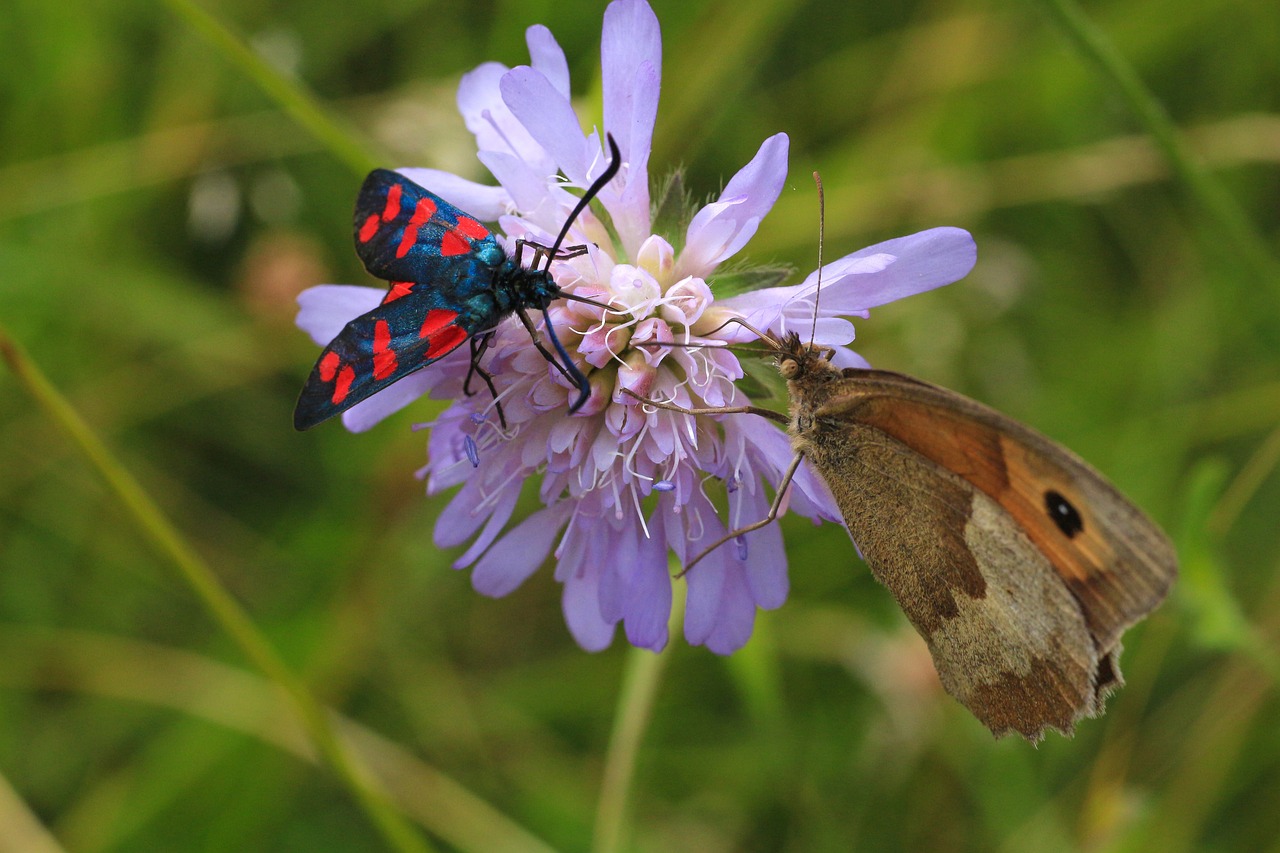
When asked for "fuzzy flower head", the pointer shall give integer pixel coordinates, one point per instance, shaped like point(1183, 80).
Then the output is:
point(623, 484)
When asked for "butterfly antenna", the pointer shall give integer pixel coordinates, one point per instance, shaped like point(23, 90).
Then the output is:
point(615, 163)
point(822, 227)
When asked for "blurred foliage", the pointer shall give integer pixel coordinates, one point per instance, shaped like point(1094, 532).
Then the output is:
point(158, 213)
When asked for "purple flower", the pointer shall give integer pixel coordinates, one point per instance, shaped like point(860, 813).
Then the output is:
point(622, 485)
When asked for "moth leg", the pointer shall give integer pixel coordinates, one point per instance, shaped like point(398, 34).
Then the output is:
point(478, 348)
point(541, 252)
point(774, 509)
point(712, 410)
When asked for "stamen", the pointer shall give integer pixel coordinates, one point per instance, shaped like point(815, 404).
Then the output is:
point(469, 445)
point(664, 486)
point(741, 542)
point(635, 499)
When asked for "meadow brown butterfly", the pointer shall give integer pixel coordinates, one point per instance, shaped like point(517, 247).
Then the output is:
point(1020, 565)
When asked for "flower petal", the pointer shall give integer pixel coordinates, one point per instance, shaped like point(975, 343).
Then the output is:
point(370, 412)
point(737, 616)
point(548, 116)
point(648, 605)
point(491, 121)
point(631, 62)
point(479, 200)
point(518, 554)
point(324, 310)
point(857, 282)
point(720, 229)
point(546, 55)
point(581, 605)
point(765, 566)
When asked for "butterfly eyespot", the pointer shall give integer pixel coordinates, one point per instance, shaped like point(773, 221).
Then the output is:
point(1063, 513)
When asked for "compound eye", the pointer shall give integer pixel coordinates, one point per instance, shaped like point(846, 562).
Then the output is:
point(788, 367)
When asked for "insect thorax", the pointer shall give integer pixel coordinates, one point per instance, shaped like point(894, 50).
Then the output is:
point(516, 287)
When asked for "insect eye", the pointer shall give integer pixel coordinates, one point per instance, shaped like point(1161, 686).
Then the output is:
point(788, 367)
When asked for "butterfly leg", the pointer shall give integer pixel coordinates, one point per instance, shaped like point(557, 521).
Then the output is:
point(478, 348)
point(769, 518)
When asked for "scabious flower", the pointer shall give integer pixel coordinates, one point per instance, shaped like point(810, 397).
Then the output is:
point(622, 483)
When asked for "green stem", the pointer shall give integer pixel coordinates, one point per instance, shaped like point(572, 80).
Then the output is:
point(342, 140)
point(224, 609)
point(635, 708)
point(1233, 226)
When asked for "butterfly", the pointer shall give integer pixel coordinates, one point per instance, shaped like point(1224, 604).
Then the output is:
point(450, 283)
point(1018, 563)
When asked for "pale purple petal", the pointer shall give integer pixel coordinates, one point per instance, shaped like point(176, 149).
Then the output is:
point(924, 261)
point(722, 228)
point(549, 118)
point(501, 514)
point(324, 310)
point(546, 56)
point(518, 554)
point(857, 282)
point(581, 605)
point(648, 607)
point(737, 616)
point(705, 580)
point(488, 117)
point(480, 201)
point(631, 62)
point(765, 567)
point(371, 411)
point(630, 56)
point(461, 517)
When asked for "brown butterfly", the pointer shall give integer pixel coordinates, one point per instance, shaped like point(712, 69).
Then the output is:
point(1017, 562)
point(1020, 565)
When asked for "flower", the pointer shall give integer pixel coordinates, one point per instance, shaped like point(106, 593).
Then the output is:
point(622, 483)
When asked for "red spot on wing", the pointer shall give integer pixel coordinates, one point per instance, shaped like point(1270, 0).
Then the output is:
point(346, 376)
point(398, 289)
point(457, 240)
point(453, 243)
point(471, 228)
point(445, 341)
point(384, 359)
point(392, 210)
point(329, 366)
point(422, 214)
point(437, 319)
point(369, 228)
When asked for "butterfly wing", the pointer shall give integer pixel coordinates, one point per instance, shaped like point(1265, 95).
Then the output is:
point(414, 326)
point(1018, 563)
point(406, 233)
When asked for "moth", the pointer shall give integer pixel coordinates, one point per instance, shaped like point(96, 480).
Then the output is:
point(450, 283)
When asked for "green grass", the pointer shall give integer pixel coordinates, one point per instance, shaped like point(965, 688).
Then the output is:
point(163, 196)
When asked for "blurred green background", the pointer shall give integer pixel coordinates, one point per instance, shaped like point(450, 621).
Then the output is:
point(159, 212)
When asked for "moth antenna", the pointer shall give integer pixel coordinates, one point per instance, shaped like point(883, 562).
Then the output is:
point(822, 227)
point(568, 367)
point(615, 163)
point(583, 299)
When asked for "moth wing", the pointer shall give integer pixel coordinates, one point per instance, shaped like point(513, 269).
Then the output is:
point(404, 232)
point(411, 328)
point(955, 508)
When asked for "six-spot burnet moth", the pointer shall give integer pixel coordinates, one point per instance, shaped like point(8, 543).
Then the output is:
point(450, 282)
